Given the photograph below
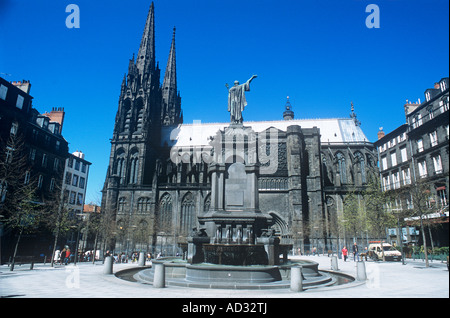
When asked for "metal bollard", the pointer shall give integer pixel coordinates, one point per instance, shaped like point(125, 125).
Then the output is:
point(159, 277)
point(141, 261)
point(108, 265)
point(296, 279)
point(361, 271)
point(334, 263)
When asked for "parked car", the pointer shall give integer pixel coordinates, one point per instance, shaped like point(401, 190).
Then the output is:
point(377, 249)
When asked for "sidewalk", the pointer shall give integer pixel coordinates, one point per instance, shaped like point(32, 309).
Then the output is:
point(85, 280)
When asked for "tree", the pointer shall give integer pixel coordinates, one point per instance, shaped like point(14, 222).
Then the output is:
point(419, 193)
point(352, 220)
point(61, 221)
point(375, 202)
point(18, 204)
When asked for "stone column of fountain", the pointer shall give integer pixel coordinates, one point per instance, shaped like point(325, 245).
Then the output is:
point(235, 231)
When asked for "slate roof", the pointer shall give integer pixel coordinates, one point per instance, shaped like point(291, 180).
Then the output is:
point(334, 130)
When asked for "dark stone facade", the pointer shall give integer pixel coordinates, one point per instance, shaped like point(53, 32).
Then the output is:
point(159, 177)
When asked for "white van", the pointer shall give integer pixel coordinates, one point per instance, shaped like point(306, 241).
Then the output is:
point(378, 248)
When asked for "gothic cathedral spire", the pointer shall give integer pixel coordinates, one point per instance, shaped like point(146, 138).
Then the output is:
point(146, 59)
point(171, 110)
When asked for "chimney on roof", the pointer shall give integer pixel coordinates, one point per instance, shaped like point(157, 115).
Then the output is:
point(437, 86)
point(410, 107)
point(381, 133)
point(56, 115)
point(78, 154)
point(23, 85)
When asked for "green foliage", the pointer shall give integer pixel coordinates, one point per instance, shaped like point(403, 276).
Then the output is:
point(353, 219)
point(375, 200)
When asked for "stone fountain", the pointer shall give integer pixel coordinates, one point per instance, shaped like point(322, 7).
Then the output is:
point(235, 246)
point(234, 232)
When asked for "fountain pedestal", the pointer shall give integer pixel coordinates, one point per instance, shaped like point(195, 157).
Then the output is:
point(235, 231)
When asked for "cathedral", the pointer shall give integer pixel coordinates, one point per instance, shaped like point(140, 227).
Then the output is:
point(159, 179)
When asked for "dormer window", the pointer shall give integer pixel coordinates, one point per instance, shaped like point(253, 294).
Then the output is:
point(443, 86)
point(427, 96)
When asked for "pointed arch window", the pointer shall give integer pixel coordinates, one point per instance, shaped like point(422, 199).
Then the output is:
point(120, 165)
point(342, 168)
point(134, 168)
point(139, 105)
point(128, 115)
point(187, 219)
point(359, 158)
point(165, 212)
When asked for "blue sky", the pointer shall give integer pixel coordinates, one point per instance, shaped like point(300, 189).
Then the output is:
point(320, 53)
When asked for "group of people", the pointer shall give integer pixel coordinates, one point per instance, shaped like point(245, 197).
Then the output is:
point(62, 256)
point(355, 252)
point(124, 258)
point(65, 256)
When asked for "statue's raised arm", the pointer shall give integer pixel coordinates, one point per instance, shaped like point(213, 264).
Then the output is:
point(251, 78)
point(237, 101)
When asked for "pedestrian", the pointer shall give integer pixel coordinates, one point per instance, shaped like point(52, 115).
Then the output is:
point(62, 256)
point(355, 251)
point(67, 257)
point(344, 253)
point(57, 256)
point(365, 253)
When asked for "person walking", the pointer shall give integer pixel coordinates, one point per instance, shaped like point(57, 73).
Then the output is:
point(67, 257)
point(56, 258)
point(355, 251)
point(345, 253)
point(62, 256)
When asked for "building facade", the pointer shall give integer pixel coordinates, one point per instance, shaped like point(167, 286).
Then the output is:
point(158, 181)
point(76, 174)
point(417, 151)
point(42, 139)
point(32, 154)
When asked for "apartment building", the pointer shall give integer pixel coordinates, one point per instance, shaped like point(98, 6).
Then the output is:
point(75, 182)
point(419, 150)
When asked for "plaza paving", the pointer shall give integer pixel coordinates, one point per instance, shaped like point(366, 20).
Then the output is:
point(85, 280)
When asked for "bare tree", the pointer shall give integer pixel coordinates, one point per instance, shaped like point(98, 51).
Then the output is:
point(18, 204)
point(419, 193)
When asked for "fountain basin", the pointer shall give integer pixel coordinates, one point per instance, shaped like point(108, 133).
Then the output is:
point(208, 273)
point(205, 275)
